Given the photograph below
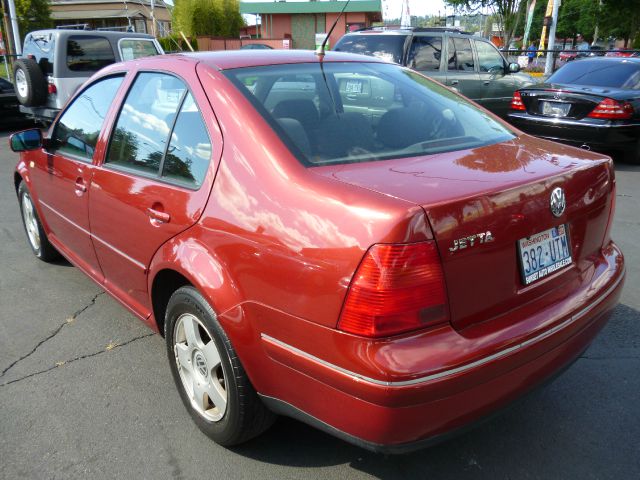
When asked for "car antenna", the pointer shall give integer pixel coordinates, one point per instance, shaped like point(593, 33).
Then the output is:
point(320, 49)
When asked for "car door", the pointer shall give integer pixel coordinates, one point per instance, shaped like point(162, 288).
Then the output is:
point(461, 68)
point(154, 181)
point(496, 83)
point(63, 171)
point(426, 56)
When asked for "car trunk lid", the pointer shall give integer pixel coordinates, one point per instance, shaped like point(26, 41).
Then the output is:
point(561, 101)
point(499, 194)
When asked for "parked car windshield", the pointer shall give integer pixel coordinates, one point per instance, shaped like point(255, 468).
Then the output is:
point(599, 73)
point(386, 47)
point(355, 112)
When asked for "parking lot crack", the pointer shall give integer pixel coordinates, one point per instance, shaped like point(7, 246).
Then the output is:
point(109, 348)
point(69, 320)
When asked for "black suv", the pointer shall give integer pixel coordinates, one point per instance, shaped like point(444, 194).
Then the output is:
point(465, 62)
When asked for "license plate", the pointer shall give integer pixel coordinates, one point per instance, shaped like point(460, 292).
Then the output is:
point(555, 109)
point(544, 253)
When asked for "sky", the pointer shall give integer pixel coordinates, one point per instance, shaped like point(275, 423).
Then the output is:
point(392, 8)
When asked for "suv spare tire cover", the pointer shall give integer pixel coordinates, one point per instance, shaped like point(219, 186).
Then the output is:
point(29, 82)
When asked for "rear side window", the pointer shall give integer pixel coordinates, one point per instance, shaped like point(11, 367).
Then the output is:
point(77, 131)
point(425, 53)
point(150, 141)
point(88, 53)
point(387, 47)
point(460, 55)
point(42, 47)
point(597, 73)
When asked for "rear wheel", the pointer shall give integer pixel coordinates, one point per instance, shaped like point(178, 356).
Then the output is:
point(29, 81)
point(36, 235)
point(210, 378)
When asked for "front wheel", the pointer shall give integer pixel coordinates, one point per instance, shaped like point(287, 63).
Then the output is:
point(210, 378)
point(36, 235)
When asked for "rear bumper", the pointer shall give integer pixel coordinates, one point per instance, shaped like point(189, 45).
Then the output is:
point(599, 135)
point(402, 414)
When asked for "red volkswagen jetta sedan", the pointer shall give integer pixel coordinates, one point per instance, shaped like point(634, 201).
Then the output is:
point(332, 238)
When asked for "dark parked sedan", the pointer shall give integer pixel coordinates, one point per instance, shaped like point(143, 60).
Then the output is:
point(10, 116)
point(592, 103)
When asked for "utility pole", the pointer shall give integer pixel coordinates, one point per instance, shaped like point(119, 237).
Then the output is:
point(548, 69)
point(595, 33)
point(14, 27)
point(153, 18)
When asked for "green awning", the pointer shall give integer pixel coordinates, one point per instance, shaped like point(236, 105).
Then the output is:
point(310, 7)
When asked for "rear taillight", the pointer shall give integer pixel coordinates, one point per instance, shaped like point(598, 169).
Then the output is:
point(612, 110)
point(397, 288)
point(516, 102)
point(51, 88)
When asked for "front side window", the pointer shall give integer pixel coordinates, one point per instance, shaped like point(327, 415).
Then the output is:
point(460, 55)
point(132, 48)
point(357, 112)
point(77, 131)
point(160, 132)
point(88, 53)
point(425, 53)
point(489, 59)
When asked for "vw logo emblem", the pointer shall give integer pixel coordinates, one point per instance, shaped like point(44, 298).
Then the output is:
point(201, 364)
point(557, 202)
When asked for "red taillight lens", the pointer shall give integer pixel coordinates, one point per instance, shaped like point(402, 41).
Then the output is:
point(612, 109)
point(51, 88)
point(516, 102)
point(396, 289)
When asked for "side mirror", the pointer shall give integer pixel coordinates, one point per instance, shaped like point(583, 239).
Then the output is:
point(26, 140)
point(514, 68)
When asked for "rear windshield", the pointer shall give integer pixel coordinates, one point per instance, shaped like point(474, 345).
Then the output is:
point(624, 74)
point(387, 47)
point(132, 48)
point(88, 53)
point(356, 112)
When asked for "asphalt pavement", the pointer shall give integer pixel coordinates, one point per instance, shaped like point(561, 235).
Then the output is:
point(86, 392)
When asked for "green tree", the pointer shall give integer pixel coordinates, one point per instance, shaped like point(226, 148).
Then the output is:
point(208, 17)
point(510, 12)
point(33, 15)
point(621, 19)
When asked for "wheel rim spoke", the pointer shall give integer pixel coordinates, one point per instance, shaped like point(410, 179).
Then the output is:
point(200, 394)
point(218, 396)
point(30, 222)
point(191, 331)
point(183, 354)
point(211, 354)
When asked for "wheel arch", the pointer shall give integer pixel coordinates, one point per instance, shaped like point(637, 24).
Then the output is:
point(185, 260)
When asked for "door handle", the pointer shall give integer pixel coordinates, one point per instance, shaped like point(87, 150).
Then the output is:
point(486, 82)
point(454, 82)
point(157, 217)
point(81, 187)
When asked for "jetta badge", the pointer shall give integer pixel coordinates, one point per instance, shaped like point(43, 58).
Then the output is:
point(471, 240)
point(557, 202)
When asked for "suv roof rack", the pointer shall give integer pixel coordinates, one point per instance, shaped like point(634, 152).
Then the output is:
point(416, 29)
point(125, 28)
point(74, 26)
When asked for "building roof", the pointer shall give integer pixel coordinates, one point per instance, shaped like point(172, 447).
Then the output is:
point(310, 7)
point(95, 14)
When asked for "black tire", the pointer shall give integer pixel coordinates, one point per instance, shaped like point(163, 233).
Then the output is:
point(245, 416)
point(41, 248)
point(27, 72)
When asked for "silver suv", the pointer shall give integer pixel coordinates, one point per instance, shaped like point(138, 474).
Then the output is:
point(55, 63)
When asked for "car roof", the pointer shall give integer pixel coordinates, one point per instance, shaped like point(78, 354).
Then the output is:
point(224, 60)
point(610, 59)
